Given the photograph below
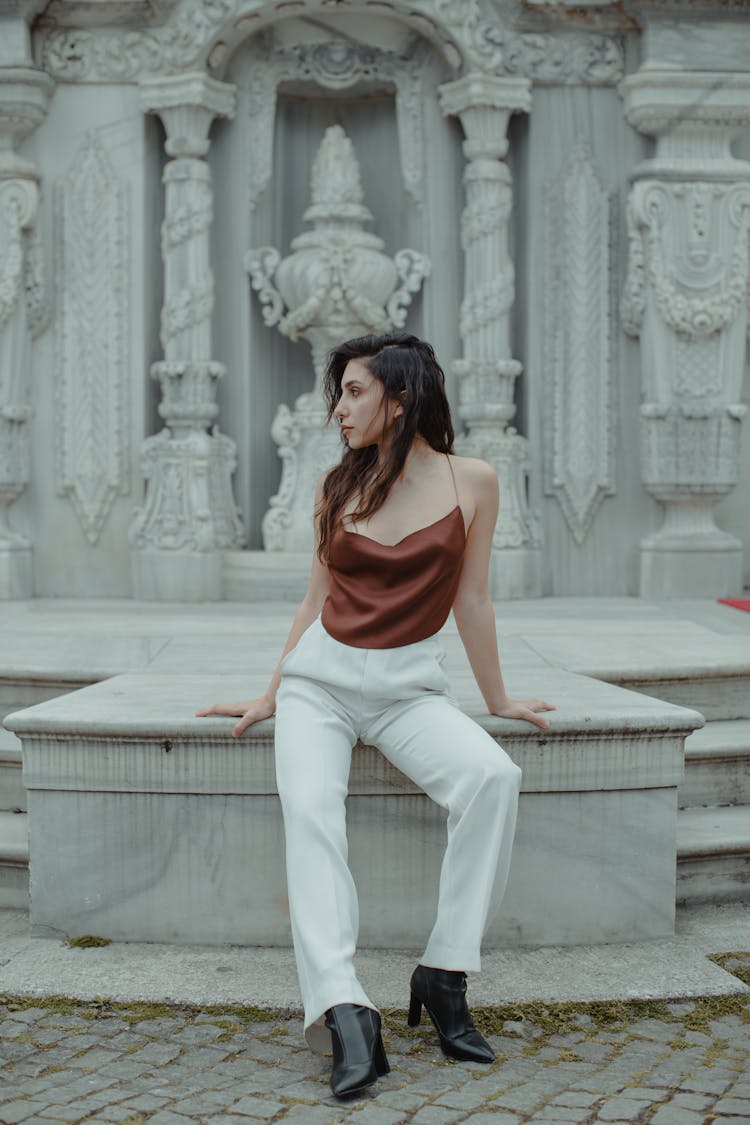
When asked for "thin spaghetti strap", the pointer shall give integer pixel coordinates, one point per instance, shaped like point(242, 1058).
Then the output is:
point(455, 486)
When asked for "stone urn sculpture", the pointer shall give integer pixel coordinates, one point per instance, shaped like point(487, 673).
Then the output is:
point(336, 284)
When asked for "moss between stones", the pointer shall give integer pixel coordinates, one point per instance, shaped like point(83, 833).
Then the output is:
point(727, 961)
point(136, 1010)
point(87, 941)
point(549, 1019)
point(561, 1019)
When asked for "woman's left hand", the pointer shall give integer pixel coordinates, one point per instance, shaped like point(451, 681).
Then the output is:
point(525, 709)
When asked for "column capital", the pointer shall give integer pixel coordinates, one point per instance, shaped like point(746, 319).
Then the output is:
point(693, 116)
point(484, 104)
point(187, 104)
point(25, 92)
point(15, 42)
point(477, 90)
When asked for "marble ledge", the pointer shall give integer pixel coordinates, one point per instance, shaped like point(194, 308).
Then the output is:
point(557, 763)
point(152, 706)
point(665, 653)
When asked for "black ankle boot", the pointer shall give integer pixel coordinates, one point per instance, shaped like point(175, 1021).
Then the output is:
point(358, 1053)
point(443, 993)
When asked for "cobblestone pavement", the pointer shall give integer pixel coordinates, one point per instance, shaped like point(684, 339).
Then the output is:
point(666, 1063)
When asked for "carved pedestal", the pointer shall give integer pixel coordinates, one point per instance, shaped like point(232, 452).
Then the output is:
point(486, 373)
point(686, 297)
point(189, 516)
point(24, 95)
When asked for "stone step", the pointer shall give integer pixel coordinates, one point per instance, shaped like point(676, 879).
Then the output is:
point(12, 791)
point(713, 855)
point(717, 765)
point(158, 826)
point(722, 694)
point(14, 861)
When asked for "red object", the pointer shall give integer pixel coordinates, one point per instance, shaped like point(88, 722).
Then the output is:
point(737, 603)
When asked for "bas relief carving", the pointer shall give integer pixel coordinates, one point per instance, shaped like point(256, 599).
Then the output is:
point(468, 33)
point(686, 298)
point(579, 423)
point(337, 64)
point(92, 337)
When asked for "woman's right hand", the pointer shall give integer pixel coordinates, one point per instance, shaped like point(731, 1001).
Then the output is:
point(250, 713)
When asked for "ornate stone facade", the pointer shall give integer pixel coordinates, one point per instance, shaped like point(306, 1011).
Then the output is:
point(486, 373)
point(189, 515)
point(24, 97)
point(336, 285)
point(686, 296)
point(560, 226)
point(199, 32)
point(93, 386)
point(579, 423)
point(335, 64)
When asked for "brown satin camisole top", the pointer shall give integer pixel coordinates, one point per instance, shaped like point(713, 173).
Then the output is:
point(383, 596)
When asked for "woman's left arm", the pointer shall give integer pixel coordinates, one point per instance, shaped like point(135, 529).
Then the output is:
point(472, 608)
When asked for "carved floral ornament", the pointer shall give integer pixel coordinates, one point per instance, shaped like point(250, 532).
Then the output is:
point(92, 337)
point(336, 64)
point(651, 211)
point(467, 33)
point(579, 414)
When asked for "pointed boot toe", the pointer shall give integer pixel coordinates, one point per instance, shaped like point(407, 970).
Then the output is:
point(442, 992)
point(359, 1057)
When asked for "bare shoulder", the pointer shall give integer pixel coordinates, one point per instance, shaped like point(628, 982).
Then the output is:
point(474, 475)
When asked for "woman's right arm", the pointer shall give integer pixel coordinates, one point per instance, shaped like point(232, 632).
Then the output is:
point(263, 708)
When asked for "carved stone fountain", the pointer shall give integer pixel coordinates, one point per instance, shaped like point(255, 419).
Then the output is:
point(336, 284)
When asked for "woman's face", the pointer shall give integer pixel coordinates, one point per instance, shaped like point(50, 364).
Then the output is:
point(365, 414)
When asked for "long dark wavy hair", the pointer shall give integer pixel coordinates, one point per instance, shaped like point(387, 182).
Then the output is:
point(411, 375)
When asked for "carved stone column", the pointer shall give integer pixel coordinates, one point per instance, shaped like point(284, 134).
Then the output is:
point(686, 297)
point(189, 516)
point(24, 97)
point(487, 372)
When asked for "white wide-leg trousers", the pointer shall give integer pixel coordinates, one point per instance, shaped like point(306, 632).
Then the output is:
point(331, 695)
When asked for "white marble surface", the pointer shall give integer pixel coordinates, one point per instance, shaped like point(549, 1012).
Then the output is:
point(16, 571)
point(667, 968)
point(169, 762)
point(696, 44)
point(157, 704)
point(587, 867)
point(582, 768)
point(713, 845)
point(143, 816)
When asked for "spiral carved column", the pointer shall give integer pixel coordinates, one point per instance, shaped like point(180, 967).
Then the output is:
point(24, 97)
point(189, 516)
point(486, 373)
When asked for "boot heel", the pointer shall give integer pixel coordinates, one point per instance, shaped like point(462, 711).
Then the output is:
point(415, 1011)
point(381, 1059)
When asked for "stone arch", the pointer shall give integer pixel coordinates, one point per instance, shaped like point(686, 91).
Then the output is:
point(251, 17)
point(405, 69)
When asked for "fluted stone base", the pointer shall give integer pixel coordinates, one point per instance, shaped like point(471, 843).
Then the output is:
point(708, 568)
point(516, 573)
point(16, 572)
point(174, 576)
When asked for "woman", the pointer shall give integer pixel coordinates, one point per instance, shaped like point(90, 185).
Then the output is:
point(404, 533)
